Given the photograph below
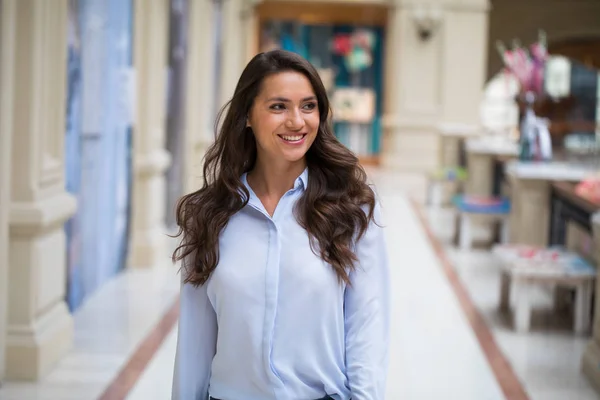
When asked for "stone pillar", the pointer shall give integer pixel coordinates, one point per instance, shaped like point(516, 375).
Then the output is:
point(40, 328)
point(530, 211)
point(465, 48)
point(413, 76)
point(435, 79)
point(479, 183)
point(200, 95)
point(481, 173)
point(234, 47)
point(591, 357)
point(7, 48)
point(251, 26)
point(150, 158)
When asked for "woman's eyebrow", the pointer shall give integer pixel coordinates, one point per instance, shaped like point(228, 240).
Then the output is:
point(284, 100)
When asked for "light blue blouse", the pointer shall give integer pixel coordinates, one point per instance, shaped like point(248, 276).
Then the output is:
point(273, 322)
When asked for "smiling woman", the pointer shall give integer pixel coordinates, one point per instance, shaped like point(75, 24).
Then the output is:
point(285, 271)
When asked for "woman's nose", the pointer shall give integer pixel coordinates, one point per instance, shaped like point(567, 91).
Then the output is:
point(295, 120)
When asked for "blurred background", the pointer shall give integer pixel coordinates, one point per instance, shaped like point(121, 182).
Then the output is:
point(478, 121)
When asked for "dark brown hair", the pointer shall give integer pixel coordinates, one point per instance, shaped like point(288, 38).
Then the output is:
point(332, 208)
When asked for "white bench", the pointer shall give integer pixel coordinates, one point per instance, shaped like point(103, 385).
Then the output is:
point(524, 267)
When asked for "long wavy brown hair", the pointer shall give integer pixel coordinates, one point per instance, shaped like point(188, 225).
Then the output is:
point(335, 209)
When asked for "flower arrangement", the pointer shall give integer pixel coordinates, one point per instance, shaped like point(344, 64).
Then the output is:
point(527, 65)
point(356, 49)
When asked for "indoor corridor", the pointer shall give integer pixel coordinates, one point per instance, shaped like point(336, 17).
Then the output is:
point(479, 124)
point(125, 335)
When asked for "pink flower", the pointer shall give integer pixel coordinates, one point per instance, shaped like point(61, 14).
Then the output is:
point(342, 45)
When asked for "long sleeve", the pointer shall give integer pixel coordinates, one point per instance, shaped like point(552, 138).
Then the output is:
point(196, 344)
point(367, 316)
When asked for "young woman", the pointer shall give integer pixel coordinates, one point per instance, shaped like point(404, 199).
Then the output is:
point(285, 278)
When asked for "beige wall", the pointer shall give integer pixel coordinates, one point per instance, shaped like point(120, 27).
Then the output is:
point(561, 19)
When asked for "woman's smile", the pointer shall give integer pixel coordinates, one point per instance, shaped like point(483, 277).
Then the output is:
point(293, 138)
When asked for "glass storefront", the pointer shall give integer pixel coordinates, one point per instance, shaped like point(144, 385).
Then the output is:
point(98, 142)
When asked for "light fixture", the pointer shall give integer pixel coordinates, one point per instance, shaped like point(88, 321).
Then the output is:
point(427, 19)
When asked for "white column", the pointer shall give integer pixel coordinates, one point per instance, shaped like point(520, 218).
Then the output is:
point(424, 77)
point(199, 114)
point(530, 211)
point(464, 59)
point(251, 33)
point(414, 77)
point(150, 158)
point(40, 328)
point(234, 47)
point(6, 91)
point(465, 31)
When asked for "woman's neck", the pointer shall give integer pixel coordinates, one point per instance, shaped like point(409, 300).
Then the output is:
point(273, 181)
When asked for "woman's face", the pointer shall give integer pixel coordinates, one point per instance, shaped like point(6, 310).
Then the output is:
point(284, 118)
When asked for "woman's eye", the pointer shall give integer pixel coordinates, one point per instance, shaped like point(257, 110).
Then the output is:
point(277, 107)
point(310, 106)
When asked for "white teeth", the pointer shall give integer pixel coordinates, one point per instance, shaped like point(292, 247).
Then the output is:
point(292, 138)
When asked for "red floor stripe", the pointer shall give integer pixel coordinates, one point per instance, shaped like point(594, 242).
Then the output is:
point(125, 380)
point(506, 377)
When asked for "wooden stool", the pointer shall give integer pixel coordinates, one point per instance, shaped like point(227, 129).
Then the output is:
point(525, 267)
point(497, 208)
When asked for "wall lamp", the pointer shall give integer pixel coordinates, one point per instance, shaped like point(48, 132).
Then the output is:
point(427, 19)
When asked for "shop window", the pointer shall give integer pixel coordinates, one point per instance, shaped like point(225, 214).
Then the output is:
point(98, 143)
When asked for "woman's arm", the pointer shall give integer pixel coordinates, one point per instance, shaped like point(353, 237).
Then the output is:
point(196, 344)
point(367, 316)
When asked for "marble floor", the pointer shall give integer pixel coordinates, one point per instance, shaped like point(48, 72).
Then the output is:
point(126, 333)
point(109, 328)
point(547, 359)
